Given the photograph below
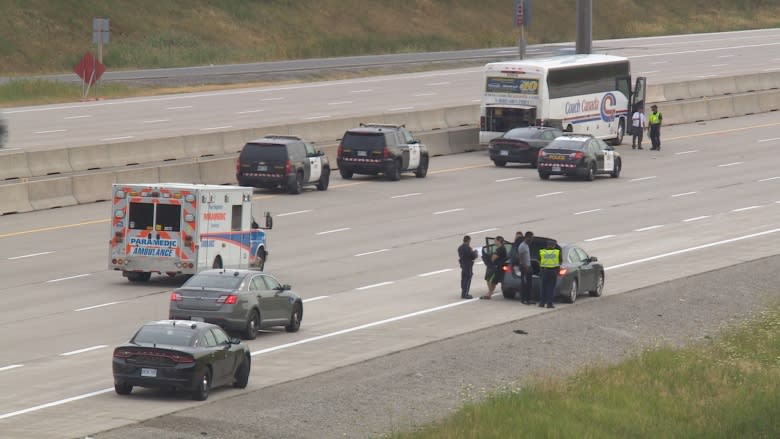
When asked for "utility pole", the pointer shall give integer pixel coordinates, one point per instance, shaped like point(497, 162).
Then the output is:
point(584, 26)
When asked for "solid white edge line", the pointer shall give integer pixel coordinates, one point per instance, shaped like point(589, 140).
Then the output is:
point(380, 284)
point(294, 213)
point(683, 194)
point(548, 194)
point(10, 366)
point(80, 351)
point(448, 211)
point(686, 152)
point(400, 109)
point(407, 195)
point(742, 209)
point(343, 229)
point(586, 211)
point(55, 403)
point(108, 139)
point(29, 256)
point(312, 299)
point(97, 306)
point(431, 273)
point(643, 229)
point(598, 238)
point(223, 127)
point(769, 179)
point(508, 179)
point(67, 278)
point(373, 252)
point(492, 229)
point(643, 178)
point(696, 218)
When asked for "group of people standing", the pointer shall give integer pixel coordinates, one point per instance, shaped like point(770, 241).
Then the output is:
point(519, 259)
point(640, 123)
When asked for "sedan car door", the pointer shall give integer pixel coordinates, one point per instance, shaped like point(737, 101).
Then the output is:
point(586, 269)
point(229, 358)
point(259, 289)
point(217, 356)
point(278, 300)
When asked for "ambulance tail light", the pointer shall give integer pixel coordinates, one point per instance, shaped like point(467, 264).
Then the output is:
point(230, 299)
point(288, 167)
point(118, 238)
point(176, 297)
point(562, 271)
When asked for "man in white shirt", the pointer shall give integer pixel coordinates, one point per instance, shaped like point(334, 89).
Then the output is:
point(638, 126)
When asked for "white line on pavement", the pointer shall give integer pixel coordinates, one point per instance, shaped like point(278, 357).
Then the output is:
point(272, 99)
point(586, 211)
point(49, 131)
point(373, 252)
point(322, 116)
point(340, 103)
point(686, 152)
point(68, 278)
point(598, 238)
point(294, 213)
point(400, 109)
point(380, 284)
point(643, 178)
point(448, 211)
point(29, 256)
point(431, 273)
point(10, 366)
point(768, 179)
point(419, 95)
point(492, 229)
point(413, 194)
point(334, 231)
point(508, 179)
point(696, 218)
point(769, 140)
point(156, 121)
point(683, 194)
point(548, 194)
point(312, 299)
point(644, 229)
point(250, 111)
point(55, 403)
point(76, 117)
point(109, 139)
point(742, 209)
point(180, 107)
point(79, 351)
point(223, 127)
point(730, 164)
point(365, 90)
point(97, 306)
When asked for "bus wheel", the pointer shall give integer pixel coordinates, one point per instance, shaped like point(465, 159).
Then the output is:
point(620, 134)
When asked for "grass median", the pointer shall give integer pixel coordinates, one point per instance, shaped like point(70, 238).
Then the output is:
point(725, 388)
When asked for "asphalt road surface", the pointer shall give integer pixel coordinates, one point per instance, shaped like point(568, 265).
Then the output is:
point(376, 264)
point(660, 59)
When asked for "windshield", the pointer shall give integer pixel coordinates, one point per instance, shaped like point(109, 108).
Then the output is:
point(221, 280)
point(164, 334)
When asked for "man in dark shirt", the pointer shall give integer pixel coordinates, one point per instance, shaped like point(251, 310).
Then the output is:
point(524, 261)
point(466, 256)
point(494, 273)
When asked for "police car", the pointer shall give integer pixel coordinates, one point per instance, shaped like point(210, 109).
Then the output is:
point(580, 155)
point(288, 162)
point(386, 149)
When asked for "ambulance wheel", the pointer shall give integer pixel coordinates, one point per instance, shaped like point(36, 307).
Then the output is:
point(296, 186)
point(322, 185)
point(259, 260)
point(616, 170)
point(139, 276)
point(217, 262)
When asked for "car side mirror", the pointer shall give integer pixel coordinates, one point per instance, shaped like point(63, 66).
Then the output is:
point(320, 153)
point(235, 340)
point(609, 148)
point(285, 287)
point(593, 259)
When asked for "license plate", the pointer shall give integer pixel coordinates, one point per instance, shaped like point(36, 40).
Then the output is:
point(556, 169)
point(152, 373)
point(262, 168)
point(504, 152)
point(362, 153)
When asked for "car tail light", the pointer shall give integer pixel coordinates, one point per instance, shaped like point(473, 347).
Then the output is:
point(505, 268)
point(288, 167)
point(122, 353)
point(340, 150)
point(230, 299)
point(562, 271)
point(176, 297)
point(238, 166)
point(577, 155)
point(181, 358)
point(539, 122)
point(542, 154)
point(386, 153)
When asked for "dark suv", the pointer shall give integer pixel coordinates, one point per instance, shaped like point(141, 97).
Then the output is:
point(381, 149)
point(288, 162)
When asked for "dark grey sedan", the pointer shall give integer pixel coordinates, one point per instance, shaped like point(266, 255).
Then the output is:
point(243, 301)
point(521, 145)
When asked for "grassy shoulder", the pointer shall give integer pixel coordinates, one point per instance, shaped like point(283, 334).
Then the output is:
point(727, 388)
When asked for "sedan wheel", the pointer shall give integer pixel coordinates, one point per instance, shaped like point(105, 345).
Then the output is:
point(295, 320)
point(572, 292)
point(599, 286)
point(499, 163)
point(123, 389)
point(242, 374)
point(252, 325)
point(204, 387)
point(591, 175)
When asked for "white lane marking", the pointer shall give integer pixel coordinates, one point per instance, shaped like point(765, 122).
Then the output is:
point(643, 178)
point(180, 107)
point(769, 179)
point(431, 273)
point(644, 229)
point(586, 211)
point(769, 140)
point(10, 149)
point(358, 328)
point(84, 116)
point(730, 164)
point(683, 194)
point(549, 194)
point(223, 127)
point(400, 109)
point(742, 209)
point(56, 403)
point(365, 90)
point(719, 65)
point(312, 299)
point(477, 232)
point(696, 218)
point(294, 213)
point(648, 72)
point(725, 56)
point(272, 99)
point(10, 366)
point(448, 211)
point(686, 152)
point(380, 284)
point(333, 231)
point(413, 194)
point(323, 116)
point(49, 131)
point(659, 62)
point(690, 249)
point(156, 121)
point(80, 351)
point(419, 95)
point(97, 306)
point(772, 69)
point(373, 252)
point(476, 100)
point(259, 110)
point(706, 76)
point(68, 278)
point(598, 238)
point(439, 83)
point(109, 139)
point(29, 256)
point(340, 103)
point(508, 179)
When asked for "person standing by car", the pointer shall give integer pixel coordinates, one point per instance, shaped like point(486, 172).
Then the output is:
point(466, 256)
point(638, 125)
point(494, 273)
point(513, 253)
point(524, 260)
point(655, 120)
point(550, 263)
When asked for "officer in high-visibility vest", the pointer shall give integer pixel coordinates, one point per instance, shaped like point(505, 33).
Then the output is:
point(655, 120)
point(550, 264)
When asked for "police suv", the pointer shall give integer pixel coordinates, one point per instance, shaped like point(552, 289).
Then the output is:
point(381, 149)
point(288, 162)
point(580, 155)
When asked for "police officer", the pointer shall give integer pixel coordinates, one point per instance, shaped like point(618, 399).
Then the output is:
point(655, 120)
point(550, 263)
point(466, 256)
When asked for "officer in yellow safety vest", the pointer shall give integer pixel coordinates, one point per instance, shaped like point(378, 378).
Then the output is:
point(655, 128)
point(550, 264)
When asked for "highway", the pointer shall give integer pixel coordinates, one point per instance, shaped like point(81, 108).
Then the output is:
point(661, 59)
point(375, 261)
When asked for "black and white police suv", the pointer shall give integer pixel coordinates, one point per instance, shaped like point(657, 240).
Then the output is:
point(381, 149)
point(288, 162)
point(580, 155)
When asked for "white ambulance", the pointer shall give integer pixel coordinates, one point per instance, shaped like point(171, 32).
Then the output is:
point(177, 228)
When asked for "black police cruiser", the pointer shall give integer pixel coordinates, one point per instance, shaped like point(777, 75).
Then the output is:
point(288, 162)
point(381, 149)
point(579, 155)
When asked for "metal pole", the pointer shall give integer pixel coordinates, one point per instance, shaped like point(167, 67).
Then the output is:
point(100, 56)
point(584, 26)
point(522, 42)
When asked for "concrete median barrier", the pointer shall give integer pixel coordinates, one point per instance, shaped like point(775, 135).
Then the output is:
point(218, 171)
point(461, 116)
point(149, 174)
point(720, 107)
point(85, 158)
point(413, 121)
point(427, 120)
point(746, 103)
point(180, 173)
point(52, 192)
point(92, 187)
point(13, 165)
point(438, 142)
point(769, 101)
point(463, 139)
point(51, 162)
point(15, 198)
point(211, 144)
point(655, 93)
point(147, 151)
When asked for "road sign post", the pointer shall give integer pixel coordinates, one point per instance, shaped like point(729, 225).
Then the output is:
point(100, 33)
point(521, 10)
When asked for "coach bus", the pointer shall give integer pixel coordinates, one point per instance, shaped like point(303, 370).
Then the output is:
point(588, 94)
